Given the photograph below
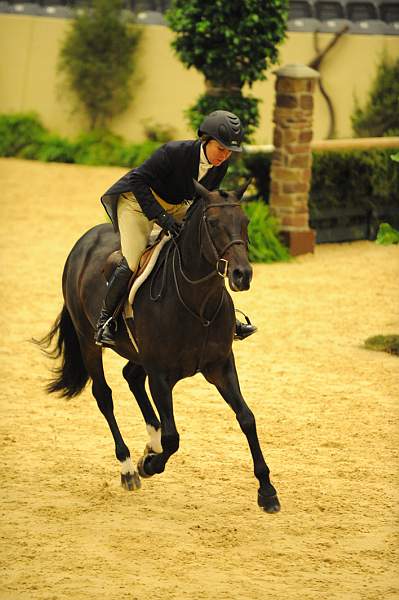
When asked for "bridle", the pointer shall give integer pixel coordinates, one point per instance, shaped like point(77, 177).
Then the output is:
point(221, 266)
point(235, 240)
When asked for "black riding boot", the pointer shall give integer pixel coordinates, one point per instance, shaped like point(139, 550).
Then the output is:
point(105, 328)
point(244, 330)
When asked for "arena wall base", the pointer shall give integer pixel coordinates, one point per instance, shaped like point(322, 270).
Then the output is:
point(299, 242)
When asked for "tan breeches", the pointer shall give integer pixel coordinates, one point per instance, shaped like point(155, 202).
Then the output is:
point(135, 228)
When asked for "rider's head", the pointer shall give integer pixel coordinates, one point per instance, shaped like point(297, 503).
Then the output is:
point(222, 133)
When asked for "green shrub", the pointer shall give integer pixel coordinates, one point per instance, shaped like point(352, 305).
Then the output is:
point(380, 115)
point(23, 135)
point(50, 148)
point(383, 343)
point(353, 178)
point(105, 148)
point(98, 60)
point(99, 147)
point(387, 235)
point(264, 243)
point(18, 131)
point(232, 44)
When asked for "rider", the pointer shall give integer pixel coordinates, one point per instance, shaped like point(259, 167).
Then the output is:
point(158, 191)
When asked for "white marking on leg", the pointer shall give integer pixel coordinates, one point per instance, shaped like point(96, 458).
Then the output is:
point(127, 466)
point(155, 438)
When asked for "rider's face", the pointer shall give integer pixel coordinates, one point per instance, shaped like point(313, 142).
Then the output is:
point(216, 153)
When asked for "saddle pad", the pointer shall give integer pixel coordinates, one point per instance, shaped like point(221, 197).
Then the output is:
point(147, 263)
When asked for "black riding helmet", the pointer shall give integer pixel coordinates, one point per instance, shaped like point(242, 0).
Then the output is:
point(225, 127)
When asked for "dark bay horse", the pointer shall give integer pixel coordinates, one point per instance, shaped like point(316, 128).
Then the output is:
point(184, 322)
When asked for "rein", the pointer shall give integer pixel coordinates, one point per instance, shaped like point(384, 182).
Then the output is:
point(218, 271)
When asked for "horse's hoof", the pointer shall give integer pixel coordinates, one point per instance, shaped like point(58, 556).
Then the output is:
point(269, 504)
point(141, 465)
point(130, 481)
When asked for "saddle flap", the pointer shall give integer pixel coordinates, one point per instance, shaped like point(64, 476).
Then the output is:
point(115, 258)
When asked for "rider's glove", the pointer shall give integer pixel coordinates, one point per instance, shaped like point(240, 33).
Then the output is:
point(168, 224)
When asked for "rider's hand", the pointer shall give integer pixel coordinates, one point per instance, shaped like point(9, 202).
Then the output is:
point(169, 224)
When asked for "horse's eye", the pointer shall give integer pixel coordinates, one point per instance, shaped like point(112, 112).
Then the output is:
point(212, 221)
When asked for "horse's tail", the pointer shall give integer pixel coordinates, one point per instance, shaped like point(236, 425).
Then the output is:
point(71, 376)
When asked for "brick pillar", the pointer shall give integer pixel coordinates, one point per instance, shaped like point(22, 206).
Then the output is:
point(292, 157)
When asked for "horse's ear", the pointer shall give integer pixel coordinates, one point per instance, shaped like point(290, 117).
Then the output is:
point(241, 190)
point(201, 190)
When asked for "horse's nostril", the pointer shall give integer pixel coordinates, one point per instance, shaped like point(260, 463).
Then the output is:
point(241, 278)
point(238, 275)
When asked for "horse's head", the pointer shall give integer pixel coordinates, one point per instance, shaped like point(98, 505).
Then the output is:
point(225, 235)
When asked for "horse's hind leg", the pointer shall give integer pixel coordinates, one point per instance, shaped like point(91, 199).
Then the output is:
point(92, 356)
point(136, 376)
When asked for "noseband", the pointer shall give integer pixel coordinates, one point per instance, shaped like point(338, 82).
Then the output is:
point(222, 264)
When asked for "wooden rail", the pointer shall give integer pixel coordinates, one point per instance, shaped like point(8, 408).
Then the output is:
point(342, 144)
point(356, 143)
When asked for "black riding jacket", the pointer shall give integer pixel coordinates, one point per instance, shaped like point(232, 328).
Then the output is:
point(169, 172)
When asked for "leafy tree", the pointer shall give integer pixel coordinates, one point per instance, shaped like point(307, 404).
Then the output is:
point(380, 115)
point(98, 60)
point(232, 43)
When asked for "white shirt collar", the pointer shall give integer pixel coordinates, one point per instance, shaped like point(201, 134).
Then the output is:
point(204, 164)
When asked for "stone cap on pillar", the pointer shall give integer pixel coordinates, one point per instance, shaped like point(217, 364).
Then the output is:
point(295, 71)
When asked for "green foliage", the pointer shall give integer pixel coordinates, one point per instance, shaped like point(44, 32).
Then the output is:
point(353, 178)
point(99, 147)
point(229, 42)
point(264, 243)
point(24, 136)
point(380, 115)
point(395, 157)
point(18, 131)
point(384, 343)
point(97, 59)
point(232, 44)
point(49, 148)
point(387, 235)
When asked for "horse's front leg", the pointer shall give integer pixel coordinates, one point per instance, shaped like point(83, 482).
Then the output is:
point(161, 392)
point(224, 377)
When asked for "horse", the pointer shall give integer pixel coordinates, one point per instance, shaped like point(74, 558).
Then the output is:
point(184, 323)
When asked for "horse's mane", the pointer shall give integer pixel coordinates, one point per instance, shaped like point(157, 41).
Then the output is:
point(193, 208)
point(198, 201)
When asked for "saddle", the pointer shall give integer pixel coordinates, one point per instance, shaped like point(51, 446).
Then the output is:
point(147, 262)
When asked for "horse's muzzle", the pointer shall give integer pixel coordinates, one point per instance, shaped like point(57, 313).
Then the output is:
point(240, 278)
